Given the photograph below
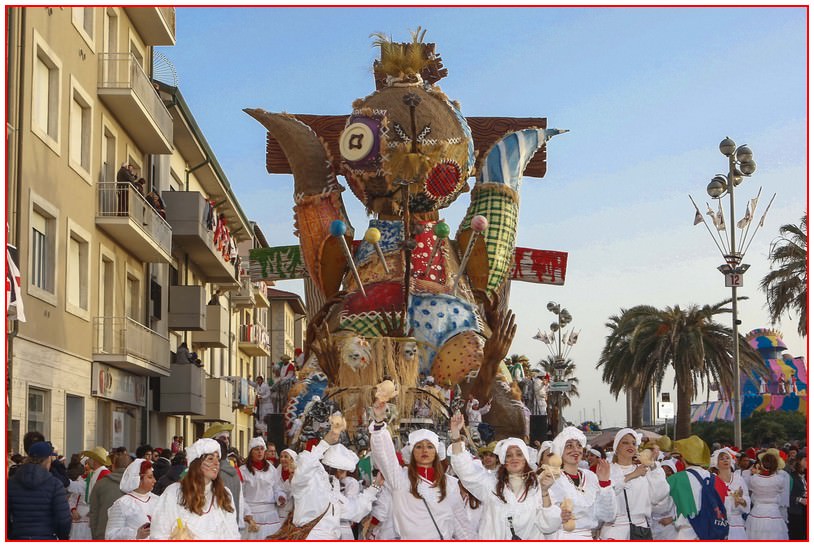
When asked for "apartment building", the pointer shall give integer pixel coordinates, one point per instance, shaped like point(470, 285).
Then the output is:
point(117, 274)
point(287, 326)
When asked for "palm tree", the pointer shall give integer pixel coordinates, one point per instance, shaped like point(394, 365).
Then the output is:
point(616, 360)
point(517, 363)
point(644, 341)
point(559, 399)
point(786, 286)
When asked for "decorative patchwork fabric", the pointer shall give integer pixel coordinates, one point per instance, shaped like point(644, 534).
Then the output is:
point(461, 355)
point(380, 296)
point(315, 385)
point(435, 318)
point(314, 215)
point(499, 205)
point(273, 263)
point(443, 180)
point(507, 159)
point(392, 235)
point(420, 256)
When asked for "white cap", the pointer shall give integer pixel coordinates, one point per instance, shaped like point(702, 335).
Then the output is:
point(567, 434)
point(339, 456)
point(671, 463)
point(595, 452)
point(713, 461)
point(291, 453)
point(416, 437)
point(503, 446)
point(637, 437)
point(257, 442)
point(202, 447)
point(132, 476)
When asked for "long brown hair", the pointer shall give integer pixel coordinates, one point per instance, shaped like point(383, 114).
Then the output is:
point(192, 490)
point(503, 480)
point(440, 478)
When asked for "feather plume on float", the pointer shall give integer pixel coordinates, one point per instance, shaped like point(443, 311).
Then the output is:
point(402, 61)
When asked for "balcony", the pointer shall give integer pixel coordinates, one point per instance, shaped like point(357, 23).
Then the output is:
point(183, 392)
point(261, 299)
point(219, 397)
point(129, 94)
point(187, 308)
point(122, 212)
point(129, 345)
point(243, 394)
point(254, 341)
point(216, 334)
point(156, 26)
point(187, 213)
point(245, 296)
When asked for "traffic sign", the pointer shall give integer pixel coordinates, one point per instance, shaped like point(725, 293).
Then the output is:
point(560, 386)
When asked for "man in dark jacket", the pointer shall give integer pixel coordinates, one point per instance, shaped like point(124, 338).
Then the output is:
point(37, 502)
point(173, 474)
point(104, 494)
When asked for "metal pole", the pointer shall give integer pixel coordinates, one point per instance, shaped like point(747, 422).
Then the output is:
point(736, 403)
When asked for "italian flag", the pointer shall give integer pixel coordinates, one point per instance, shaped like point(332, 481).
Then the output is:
point(686, 491)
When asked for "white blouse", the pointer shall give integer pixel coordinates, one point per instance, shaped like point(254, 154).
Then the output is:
point(411, 515)
point(643, 493)
point(591, 503)
point(529, 518)
point(214, 523)
point(129, 513)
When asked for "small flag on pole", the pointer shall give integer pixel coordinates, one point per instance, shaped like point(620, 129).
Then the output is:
point(698, 217)
point(542, 337)
point(14, 302)
point(745, 220)
point(572, 339)
point(719, 218)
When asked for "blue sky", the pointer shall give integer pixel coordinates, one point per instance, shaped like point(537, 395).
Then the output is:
point(647, 94)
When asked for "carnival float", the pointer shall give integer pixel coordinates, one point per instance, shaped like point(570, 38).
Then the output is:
point(406, 307)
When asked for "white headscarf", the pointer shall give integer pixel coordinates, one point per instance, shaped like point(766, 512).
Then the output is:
point(257, 442)
point(132, 476)
point(339, 456)
point(567, 434)
point(637, 437)
point(290, 453)
point(503, 446)
point(202, 447)
point(416, 437)
point(713, 461)
point(671, 463)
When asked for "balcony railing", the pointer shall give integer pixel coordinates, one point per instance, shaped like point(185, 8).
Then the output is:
point(254, 340)
point(244, 297)
point(121, 80)
point(129, 344)
point(261, 294)
point(126, 214)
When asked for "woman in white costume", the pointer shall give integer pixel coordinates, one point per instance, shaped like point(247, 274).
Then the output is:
point(662, 519)
point(426, 501)
point(590, 495)
point(516, 504)
point(129, 516)
point(199, 506)
point(260, 481)
point(316, 496)
point(767, 486)
point(340, 462)
point(638, 487)
point(80, 527)
point(282, 495)
point(737, 498)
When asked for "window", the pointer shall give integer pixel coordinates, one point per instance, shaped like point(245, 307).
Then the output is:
point(80, 122)
point(132, 302)
point(38, 411)
point(83, 20)
point(42, 247)
point(108, 173)
point(77, 278)
point(45, 94)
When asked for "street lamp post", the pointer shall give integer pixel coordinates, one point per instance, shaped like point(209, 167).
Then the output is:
point(741, 165)
point(559, 346)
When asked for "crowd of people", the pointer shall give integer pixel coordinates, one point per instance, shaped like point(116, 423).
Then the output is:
point(424, 490)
